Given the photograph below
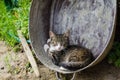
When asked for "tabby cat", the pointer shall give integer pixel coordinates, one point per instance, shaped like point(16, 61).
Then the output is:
point(64, 55)
point(55, 44)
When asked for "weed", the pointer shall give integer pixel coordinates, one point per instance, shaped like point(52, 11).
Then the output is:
point(28, 67)
point(114, 55)
point(11, 66)
point(7, 62)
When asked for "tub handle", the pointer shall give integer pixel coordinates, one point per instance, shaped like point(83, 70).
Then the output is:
point(60, 77)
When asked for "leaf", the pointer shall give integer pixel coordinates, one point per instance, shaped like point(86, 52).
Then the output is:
point(117, 62)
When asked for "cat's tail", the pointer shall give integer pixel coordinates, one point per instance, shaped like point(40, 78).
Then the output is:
point(71, 65)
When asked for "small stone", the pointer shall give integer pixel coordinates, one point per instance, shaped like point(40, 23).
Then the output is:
point(2, 68)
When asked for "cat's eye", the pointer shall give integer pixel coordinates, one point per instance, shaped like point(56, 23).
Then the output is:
point(64, 45)
point(54, 43)
point(52, 39)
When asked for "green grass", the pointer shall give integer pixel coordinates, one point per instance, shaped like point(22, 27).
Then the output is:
point(11, 21)
point(114, 55)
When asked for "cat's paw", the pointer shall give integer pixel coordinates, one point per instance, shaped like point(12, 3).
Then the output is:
point(62, 68)
point(46, 47)
point(48, 40)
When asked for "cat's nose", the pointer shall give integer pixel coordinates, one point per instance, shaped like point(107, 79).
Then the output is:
point(59, 48)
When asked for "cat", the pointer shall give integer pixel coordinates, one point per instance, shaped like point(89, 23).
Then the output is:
point(55, 44)
point(67, 56)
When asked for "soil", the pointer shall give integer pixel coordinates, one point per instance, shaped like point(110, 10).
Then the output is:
point(14, 66)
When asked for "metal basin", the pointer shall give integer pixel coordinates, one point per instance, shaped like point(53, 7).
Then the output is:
point(91, 24)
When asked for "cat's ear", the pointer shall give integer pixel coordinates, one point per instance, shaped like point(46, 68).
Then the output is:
point(51, 34)
point(67, 33)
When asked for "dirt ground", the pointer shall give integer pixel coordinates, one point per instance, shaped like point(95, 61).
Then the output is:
point(15, 66)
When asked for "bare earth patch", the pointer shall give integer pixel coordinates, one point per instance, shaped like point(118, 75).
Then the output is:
point(15, 66)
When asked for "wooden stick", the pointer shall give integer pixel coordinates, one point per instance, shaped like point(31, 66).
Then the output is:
point(29, 53)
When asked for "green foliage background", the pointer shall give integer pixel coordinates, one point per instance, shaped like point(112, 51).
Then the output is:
point(13, 20)
point(114, 54)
